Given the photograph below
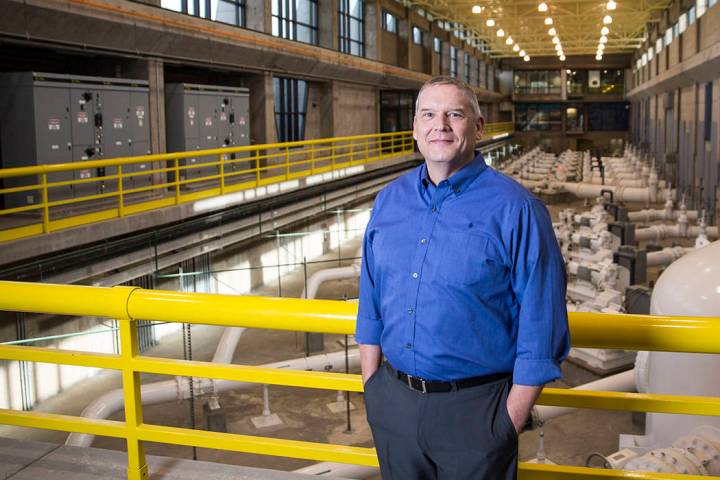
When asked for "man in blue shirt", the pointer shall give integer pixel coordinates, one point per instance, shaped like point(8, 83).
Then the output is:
point(462, 290)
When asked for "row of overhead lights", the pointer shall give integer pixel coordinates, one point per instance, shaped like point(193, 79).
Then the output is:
point(490, 23)
point(605, 30)
point(543, 7)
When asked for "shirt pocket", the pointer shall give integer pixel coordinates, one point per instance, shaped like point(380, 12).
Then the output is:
point(470, 259)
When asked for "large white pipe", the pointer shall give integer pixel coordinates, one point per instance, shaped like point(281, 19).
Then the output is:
point(622, 382)
point(322, 276)
point(627, 194)
point(661, 232)
point(179, 388)
point(652, 215)
point(666, 256)
point(227, 345)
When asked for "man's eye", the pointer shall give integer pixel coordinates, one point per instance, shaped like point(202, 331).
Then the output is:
point(455, 115)
point(427, 115)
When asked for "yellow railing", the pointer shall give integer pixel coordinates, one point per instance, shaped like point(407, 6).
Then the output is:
point(498, 130)
point(633, 332)
point(48, 198)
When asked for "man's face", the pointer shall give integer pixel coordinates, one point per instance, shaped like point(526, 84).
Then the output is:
point(445, 126)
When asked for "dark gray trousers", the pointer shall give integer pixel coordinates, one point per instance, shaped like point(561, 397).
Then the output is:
point(460, 435)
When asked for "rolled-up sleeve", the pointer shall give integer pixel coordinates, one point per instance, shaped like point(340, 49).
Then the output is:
point(539, 285)
point(369, 324)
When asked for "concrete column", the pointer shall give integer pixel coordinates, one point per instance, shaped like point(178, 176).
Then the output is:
point(563, 83)
point(404, 43)
point(262, 124)
point(373, 29)
point(327, 110)
point(258, 15)
point(328, 28)
point(156, 79)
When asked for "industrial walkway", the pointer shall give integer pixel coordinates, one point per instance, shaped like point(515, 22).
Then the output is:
point(27, 460)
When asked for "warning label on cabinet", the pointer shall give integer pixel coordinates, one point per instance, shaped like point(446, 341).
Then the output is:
point(53, 124)
point(117, 123)
point(82, 117)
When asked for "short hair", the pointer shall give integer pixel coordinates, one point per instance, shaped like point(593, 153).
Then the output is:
point(464, 88)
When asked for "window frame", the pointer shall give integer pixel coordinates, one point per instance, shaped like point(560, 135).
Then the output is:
point(204, 7)
point(287, 25)
point(345, 20)
point(390, 28)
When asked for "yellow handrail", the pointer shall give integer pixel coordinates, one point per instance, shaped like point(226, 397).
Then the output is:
point(633, 332)
point(120, 187)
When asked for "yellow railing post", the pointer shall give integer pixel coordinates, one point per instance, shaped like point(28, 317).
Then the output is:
point(46, 209)
point(137, 466)
point(312, 159)
point(257, 168)
point(367, 150)
point(121, 204)
point(287, 163)
point(332, 157)
point(222, 174)
point(177, 181)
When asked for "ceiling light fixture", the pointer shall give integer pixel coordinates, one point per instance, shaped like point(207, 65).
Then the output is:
point(598, 57)
point(558, 47)
point(548, 21)
point(516, 48)
point(509, 41)
point(526, 58)
point(604, 31)
point(611, 5)
point(490, 22)
point(601, 47)
point(607, 19)
point(562, 58)
point(552, 31)
point(556, 40)
point(543, 7)
point(522, 53)
point(501, 33)
point(476, 9)
point(603, 39)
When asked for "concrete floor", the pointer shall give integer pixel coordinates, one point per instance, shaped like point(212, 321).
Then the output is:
point(568, 440)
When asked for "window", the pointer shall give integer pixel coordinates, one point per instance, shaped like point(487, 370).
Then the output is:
point(466, 68)
point(537, 82)
point(226, 11)
point(701, 7)
point(675, 30)
point(605, 117)
point(290, 108)
point(538, 116)
point(352, 37)
point(295, 20)
point(682, 23)
point(417, 36)
point(658, 45)
point(638, 64)
point(711, 3)
point(691, 15)
point(708, 111)
point(575, 118)
point(396, 110)
point(437, 45)
point(389, 22)
point(453, 61)
point(651, 53)
point(644, 59)
point(668, 36)
point(612, 81)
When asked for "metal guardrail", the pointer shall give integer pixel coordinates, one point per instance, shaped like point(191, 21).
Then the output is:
point(47, 198)
point(127, 304)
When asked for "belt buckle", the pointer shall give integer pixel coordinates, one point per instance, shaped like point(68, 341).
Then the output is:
point(410, 379)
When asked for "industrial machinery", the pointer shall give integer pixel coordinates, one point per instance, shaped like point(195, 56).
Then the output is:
point(50, 118)
point(203, 117)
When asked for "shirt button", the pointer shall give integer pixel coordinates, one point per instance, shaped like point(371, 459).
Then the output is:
point(434, 209)
point(415, 275)
point(456, 189)
point(408, 346)
point(423, 241)
point(410, 311)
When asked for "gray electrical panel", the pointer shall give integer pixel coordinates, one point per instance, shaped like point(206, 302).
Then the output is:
point(53, 118)
point(202, 117)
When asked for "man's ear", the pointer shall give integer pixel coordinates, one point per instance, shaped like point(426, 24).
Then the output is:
point(480, 127)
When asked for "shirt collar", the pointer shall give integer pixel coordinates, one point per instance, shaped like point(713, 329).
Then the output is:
point(460, 180)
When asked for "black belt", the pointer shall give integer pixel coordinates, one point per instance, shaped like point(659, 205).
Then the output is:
point(439, 386)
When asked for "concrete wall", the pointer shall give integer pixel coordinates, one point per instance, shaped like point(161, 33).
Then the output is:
point(668, 100)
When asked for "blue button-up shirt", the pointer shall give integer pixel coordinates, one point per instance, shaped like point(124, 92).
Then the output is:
point(463, 279)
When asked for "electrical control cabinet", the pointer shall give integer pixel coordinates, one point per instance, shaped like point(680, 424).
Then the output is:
point(53, 118)
point(202, 117)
